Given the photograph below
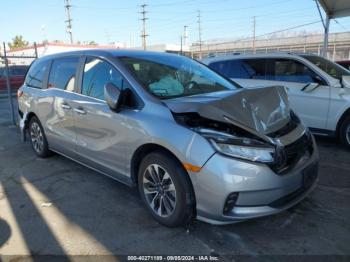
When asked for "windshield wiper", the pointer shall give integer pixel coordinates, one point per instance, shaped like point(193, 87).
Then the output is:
point(307, 85)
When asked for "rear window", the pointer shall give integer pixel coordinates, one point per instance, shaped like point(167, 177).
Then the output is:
point(36, 74)
point(62, 74)
point(245, 69)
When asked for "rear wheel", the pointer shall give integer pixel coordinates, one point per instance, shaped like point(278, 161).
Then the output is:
point(345, 132)
point(166, 190)
point(38, 138)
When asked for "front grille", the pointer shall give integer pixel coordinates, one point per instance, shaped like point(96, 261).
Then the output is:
point(292, 153)
point(298, 149)
point(289, 127)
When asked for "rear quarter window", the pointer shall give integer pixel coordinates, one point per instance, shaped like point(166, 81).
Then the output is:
point(36, 74)
point(62, 74)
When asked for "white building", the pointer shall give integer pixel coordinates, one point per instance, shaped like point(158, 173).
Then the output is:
point(53, 48)
point(47, 49)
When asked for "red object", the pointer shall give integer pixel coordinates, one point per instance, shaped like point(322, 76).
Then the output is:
point(344, 63)
point(17, 75)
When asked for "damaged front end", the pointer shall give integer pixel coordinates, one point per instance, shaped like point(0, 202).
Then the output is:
point(246, 125)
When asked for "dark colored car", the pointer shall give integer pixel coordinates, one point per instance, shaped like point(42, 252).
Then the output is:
point(345, 64)
point(17, 74)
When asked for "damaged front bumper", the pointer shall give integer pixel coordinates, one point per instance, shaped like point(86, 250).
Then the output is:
point(261, 191)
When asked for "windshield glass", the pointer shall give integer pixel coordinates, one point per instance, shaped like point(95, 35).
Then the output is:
point(168, 76)
point(329, 67)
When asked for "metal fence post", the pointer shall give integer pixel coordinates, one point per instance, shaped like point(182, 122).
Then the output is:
point(7, 74)
point(36, 50)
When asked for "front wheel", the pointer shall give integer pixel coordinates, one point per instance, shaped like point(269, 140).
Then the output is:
point(345, 132)
point(166, 190)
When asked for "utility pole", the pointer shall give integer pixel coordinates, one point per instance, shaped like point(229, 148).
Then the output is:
point(181, 49)
point(69, 20)
point(254, 24)
point(185, 37)
point(199, 33)
point(144, 18)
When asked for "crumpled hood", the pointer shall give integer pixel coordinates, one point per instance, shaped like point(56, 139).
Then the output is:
point(263, 110)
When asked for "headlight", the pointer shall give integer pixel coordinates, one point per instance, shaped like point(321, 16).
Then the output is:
point(239, 147)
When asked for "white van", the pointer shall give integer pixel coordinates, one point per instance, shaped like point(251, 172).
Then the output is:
point(319, 90)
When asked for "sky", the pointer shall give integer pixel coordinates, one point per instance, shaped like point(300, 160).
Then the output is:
point(105, 21)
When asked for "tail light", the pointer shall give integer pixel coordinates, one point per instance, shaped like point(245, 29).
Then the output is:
point(19, 93)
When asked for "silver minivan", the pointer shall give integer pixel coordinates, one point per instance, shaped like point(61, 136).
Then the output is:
point(196, 144)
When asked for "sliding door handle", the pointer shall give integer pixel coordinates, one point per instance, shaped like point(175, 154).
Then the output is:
point(65, 106)
point(80, 111)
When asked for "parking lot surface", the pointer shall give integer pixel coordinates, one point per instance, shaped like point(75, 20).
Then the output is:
point(55, 206)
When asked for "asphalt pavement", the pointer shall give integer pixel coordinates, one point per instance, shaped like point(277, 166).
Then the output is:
point(55, 206)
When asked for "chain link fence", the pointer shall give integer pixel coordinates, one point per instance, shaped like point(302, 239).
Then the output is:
point(13, 69)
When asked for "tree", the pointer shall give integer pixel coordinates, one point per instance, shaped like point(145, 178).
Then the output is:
point(18, 42)
point(92, 43)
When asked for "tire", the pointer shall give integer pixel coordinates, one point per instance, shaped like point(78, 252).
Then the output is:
point(344, 132)
point(38, 138)
point(170, 192)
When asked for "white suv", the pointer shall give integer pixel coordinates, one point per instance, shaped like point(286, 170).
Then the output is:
point(319, 90)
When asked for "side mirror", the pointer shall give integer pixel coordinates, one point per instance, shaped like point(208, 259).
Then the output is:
point(317, 79)
point(113, 96)
point(345, 80)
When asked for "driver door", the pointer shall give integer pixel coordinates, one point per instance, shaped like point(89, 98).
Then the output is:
point(101, 133)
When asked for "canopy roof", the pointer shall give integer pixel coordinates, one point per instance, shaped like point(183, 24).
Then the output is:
point(336, 8)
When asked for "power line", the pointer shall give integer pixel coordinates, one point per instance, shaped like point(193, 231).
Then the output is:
point(341, 25)
point(69, 20)
point(274, 32)
point(144, 18)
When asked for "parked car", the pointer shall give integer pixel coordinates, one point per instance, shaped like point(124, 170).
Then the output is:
point(16, 74)
point(318, 89)
point(345, 64)
point(193, 142)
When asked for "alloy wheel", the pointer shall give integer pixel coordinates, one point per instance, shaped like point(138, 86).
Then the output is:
point(37, 137)
point(159, 190)
point(347, 133)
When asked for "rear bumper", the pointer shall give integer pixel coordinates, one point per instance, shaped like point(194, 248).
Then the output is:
point(261, 191)
point(22, 126)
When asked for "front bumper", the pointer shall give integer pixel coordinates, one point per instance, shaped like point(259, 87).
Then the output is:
point(261, 191)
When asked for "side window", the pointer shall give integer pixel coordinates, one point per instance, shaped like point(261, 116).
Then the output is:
point(228, 68)
point(97, 73)
point(254, 68)
point(290, 71)
point(62, 73)
point(245, 69)
point(36, 74)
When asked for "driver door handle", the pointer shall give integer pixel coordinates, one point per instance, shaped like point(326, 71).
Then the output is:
point(80, 110)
